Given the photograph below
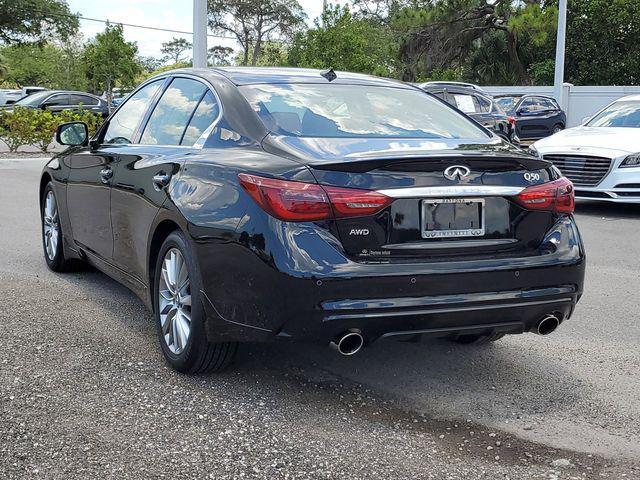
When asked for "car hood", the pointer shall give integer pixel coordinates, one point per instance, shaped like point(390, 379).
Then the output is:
point(618, 139)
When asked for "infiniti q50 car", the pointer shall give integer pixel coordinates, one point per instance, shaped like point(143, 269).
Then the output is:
point(247, 205)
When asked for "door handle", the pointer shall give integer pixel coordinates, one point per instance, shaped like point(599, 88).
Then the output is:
point(161, 180)
point(106, 174)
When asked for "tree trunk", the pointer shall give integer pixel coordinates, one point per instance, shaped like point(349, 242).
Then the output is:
point(256, 51)
point(512, 47)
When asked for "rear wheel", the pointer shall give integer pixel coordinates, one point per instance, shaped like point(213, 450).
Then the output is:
point(52, 232)
point(476, 339)
point(180, 316)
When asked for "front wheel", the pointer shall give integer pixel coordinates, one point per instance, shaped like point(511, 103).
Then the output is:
point(557, 128)
point(52, 232)
point(180, 316)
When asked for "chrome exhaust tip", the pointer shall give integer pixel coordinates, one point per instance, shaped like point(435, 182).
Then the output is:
point(349, 343)
point(547, 325)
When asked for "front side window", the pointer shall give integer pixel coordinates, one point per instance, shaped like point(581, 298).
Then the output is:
point(61, 100)
point(170, 117)
point(123, 124)
point(335, 110)
point(619, 114)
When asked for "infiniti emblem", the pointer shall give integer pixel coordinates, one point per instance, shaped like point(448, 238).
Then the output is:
point(456, 172)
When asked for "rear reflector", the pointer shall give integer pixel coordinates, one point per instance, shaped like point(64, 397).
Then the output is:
point(300, 202)
point(556, 196)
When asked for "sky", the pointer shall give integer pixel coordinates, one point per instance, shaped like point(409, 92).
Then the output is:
point(172, 14)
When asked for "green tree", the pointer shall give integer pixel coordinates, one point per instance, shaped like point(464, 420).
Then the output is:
point(253, 22)
point(603, 42)
point(44, 64)
point(110, 61)
point(24, 20)
point(219, 56)
point(174, 49)
point(343, 42)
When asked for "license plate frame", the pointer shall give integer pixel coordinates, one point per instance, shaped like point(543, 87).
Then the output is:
point(455, 232)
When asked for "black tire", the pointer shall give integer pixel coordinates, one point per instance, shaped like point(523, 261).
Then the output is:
point(54, 257)
point(558, 127)
point(476, 339)
point(198, 355)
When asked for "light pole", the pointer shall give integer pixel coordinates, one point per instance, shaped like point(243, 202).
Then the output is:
point(560, 48)
point(199, 33)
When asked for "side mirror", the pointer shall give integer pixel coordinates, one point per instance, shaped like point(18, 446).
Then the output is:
point(72, 134)
point(523, 111)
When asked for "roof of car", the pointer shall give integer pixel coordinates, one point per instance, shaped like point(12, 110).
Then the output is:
point(455, 87)
point(632, 98)
point(258, 75)
point(522, 95)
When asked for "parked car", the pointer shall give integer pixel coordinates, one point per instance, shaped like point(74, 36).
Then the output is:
point(58, 100)
point(536, 116)
point(602, 156)
point(10, 96)
point(249, 204)
point(478, 104)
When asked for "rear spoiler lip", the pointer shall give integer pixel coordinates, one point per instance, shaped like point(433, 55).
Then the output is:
point(367, 164)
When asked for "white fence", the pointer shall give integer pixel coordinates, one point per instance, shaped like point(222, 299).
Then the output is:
point(578, 102)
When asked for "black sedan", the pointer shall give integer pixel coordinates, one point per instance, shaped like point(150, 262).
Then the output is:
point(536, 116)
point(249, 205)
point(59, 100)
point(476, 103)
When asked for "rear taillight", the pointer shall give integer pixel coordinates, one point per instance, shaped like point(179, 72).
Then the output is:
point(556, 196)
point(512, 120)
point(300, 202)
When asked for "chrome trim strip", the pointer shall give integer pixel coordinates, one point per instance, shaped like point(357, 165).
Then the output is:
point(452, 191)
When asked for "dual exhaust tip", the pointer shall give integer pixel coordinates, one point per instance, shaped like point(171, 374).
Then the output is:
point(351, 342)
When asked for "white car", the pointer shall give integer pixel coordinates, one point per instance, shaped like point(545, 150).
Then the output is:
point(602, 156)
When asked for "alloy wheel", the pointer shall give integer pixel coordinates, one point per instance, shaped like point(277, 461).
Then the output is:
point(51, 224)
point(174, 301)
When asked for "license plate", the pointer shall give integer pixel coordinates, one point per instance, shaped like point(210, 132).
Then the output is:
point(452, 217)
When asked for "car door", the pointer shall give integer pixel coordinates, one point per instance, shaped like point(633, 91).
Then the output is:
point(56, 102)
point(91, 172)
point(144, 177)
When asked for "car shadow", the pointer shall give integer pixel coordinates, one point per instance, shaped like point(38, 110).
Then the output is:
point(607, 209)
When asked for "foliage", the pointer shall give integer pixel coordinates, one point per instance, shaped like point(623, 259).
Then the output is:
point(27, 126)
point(343, 42)
point(603, 42)
point(24, 20)
point(174, 49)
point(219, 55)
point(46, 65)
point(110, 61)
point(274, 54)
point(252, 22)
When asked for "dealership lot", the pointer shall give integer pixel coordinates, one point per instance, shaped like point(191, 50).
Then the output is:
point(84, 391)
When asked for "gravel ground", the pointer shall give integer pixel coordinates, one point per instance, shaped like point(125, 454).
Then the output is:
point(84, 392)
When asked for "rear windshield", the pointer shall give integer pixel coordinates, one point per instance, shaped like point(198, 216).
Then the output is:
point(620, 114)
point(333, 110)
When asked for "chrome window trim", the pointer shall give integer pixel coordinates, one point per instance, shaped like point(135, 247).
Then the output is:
point(452, 191)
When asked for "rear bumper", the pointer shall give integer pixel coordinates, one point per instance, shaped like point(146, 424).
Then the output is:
point(268, 297)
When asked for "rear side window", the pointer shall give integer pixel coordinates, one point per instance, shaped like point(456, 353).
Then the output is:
point(82, 99)
point(206, 113)
point(484, 104)
point(465, 103)
point(123, 124)
point(170, 117)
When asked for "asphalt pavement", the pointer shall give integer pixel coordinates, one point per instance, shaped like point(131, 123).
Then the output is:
point(84, 392)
